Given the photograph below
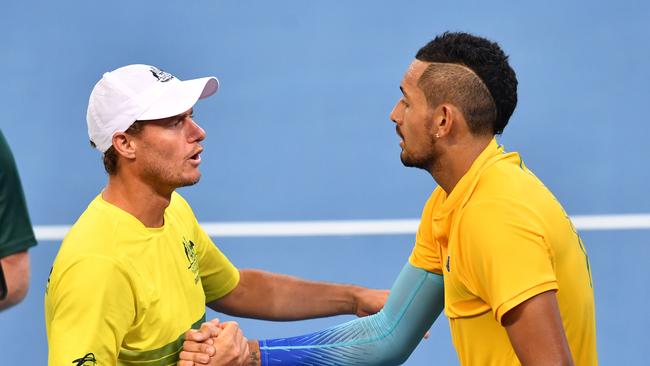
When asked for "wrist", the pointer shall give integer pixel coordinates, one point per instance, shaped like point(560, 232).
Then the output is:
point(353, 299)
point(254, 353)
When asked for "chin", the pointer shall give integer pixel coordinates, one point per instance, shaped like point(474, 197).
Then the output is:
point(406, 160)
point(192, 182)
point(189, 181)
point(410, 162)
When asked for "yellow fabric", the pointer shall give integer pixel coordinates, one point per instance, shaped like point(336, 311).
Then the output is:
point(499, 239)
point(126, 293)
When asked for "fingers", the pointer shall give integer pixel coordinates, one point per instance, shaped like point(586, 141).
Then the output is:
point(244, 355)
point(211, 329)
point(208, 330)
point(195, 347)
point(196, 353)
point(198, 346)
point(191, 359)
point(231, 345)
point(230, 328)
point(371, 301)
point(242, 351)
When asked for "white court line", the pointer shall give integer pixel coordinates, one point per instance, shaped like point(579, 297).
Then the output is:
point(359, 227)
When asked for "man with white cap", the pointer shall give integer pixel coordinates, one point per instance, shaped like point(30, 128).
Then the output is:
point(137, 270)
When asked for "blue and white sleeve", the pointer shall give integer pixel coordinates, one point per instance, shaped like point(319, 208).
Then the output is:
point(385, 338)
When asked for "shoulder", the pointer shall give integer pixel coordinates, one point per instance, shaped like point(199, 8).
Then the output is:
point(9, 180)
point(97, 233)
point(6, 157)
point(88, 272)
point(94, 229)
point(508, 192)
point(510, 178)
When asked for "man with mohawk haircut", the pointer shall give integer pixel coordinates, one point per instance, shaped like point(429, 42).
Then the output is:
point(494, 248)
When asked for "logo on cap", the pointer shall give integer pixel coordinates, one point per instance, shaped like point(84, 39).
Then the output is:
point(161, 75)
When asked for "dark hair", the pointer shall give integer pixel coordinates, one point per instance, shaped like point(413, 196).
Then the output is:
point(488, 61)
point(110, 155)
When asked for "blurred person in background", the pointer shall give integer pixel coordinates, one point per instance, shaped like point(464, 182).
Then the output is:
point(16, 233)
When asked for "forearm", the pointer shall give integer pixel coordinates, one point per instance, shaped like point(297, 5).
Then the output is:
point(386, 338)
point(273, 296)
point(16, 274)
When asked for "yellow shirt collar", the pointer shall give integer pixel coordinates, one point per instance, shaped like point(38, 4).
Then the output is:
point(462, 191)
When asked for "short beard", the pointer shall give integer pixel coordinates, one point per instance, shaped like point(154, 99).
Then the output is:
point(422, 162)
point(411, 162)
point(162, 178)
point(190, 183)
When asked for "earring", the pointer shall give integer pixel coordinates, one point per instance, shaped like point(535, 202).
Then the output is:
point(437, 135)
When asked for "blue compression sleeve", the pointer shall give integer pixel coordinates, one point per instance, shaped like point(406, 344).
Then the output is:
point(385, 338)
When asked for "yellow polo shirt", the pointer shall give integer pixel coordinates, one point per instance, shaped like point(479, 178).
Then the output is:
point(123, 294)
point(499, 239)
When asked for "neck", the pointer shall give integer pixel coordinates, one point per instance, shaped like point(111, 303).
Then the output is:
point(137, 198)
point(456, 159)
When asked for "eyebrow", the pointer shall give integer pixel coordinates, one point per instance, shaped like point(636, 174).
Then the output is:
point(403, 92)
point(185, 114)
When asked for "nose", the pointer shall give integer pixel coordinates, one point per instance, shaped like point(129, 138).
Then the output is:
point(394, 114)
point(196, 132)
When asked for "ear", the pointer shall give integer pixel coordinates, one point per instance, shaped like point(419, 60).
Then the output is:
point(124, 144)
point(444, 118)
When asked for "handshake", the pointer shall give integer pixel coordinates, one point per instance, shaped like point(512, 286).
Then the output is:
point(219, 344)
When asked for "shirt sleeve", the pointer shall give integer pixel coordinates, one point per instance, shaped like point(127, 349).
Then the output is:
point(385, 338)
point(503, 255)
point(17, 233)
point(218, 275)
point(426, 254)
point(90, 307)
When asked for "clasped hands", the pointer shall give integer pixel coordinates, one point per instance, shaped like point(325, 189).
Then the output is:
point(217, 344)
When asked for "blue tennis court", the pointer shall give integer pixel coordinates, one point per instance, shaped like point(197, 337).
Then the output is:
point(299, 131)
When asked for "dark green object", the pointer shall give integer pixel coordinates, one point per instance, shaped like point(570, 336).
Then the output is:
point(3, 284)
point(16, 233)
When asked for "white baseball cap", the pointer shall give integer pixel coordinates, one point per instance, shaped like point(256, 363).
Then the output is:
point(139, 92)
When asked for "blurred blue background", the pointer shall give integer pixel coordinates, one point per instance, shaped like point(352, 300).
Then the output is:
point(300, 131)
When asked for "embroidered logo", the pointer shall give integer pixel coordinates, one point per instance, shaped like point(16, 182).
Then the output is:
point(447, 265)
point(161, 75)
point(87, 360)
point(190, 253)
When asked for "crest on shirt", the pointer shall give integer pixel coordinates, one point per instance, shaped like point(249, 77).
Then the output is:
point(447, 265)
point(87, 360)
point(190, 253)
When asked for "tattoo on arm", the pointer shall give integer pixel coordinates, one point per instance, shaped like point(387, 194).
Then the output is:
point(254, 359)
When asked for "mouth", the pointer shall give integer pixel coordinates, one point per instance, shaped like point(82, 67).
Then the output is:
point(196, 157)
point(401, 141)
